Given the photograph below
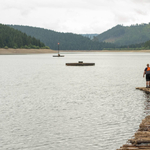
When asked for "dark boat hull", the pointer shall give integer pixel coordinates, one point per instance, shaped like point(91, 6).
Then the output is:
point(80, 64)
point(58, 55)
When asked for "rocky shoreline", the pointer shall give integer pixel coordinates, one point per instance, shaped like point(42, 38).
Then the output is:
point(141, 139)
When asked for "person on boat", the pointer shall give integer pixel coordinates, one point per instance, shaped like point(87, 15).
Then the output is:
point(147, 72)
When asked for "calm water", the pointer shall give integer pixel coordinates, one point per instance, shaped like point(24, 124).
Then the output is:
point(45, 105)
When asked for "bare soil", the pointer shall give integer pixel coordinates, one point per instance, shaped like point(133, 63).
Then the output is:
point(11, 51)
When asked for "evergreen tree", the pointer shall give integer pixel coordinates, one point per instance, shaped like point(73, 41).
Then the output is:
point(12, 38)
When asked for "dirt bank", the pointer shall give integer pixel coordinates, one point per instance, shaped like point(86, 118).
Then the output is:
point(11, 51)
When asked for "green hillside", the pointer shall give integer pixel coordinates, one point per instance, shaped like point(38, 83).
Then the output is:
point(12, 38)
point(125, 35)
point(68, 41)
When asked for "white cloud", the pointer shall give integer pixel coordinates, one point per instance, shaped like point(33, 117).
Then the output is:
point(77, 16)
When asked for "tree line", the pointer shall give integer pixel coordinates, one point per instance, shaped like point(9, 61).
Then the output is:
point(126, 35)
point(11, 38)
point(68, 41)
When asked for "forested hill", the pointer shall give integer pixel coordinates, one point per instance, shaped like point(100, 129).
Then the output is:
point(12, 38)
point(126, 35)
point(68, 41)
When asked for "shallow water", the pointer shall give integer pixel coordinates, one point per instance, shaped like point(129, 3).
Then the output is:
point(46, 105)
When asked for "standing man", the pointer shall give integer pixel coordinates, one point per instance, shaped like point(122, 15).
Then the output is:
point(147, 72)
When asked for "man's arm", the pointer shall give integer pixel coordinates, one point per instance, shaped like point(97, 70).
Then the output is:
point(144, 73)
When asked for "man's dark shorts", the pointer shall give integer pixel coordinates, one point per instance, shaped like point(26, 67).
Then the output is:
point(148, 77)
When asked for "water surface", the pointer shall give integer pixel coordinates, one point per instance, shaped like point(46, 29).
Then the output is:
point(46, 105)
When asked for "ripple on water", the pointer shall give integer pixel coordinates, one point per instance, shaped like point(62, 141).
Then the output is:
point(47, 105)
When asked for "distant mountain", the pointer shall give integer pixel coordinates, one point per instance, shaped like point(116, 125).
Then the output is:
point(125, 35)
point(90, 36)
point(11, 38)
point(68, 41)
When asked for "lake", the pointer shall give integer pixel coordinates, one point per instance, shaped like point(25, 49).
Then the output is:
point(46, 105)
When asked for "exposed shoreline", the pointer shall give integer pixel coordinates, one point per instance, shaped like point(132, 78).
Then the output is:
point(106, 51)
point(12, 51)
point(141, 139)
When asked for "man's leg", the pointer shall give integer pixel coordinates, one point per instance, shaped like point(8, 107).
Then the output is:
point(147, 83)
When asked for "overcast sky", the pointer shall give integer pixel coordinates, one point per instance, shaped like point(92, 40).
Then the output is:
point(76, 16)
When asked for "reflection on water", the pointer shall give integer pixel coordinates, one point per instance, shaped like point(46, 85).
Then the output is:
point(45, 105)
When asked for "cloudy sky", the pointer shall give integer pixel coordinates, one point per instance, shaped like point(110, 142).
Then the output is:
point(76, 16)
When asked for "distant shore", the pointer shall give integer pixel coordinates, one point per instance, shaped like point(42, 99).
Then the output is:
point(11, 51)
point(105, 51)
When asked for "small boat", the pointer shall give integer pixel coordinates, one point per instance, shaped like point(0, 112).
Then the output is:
point(80, 63)
point(58, 55)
